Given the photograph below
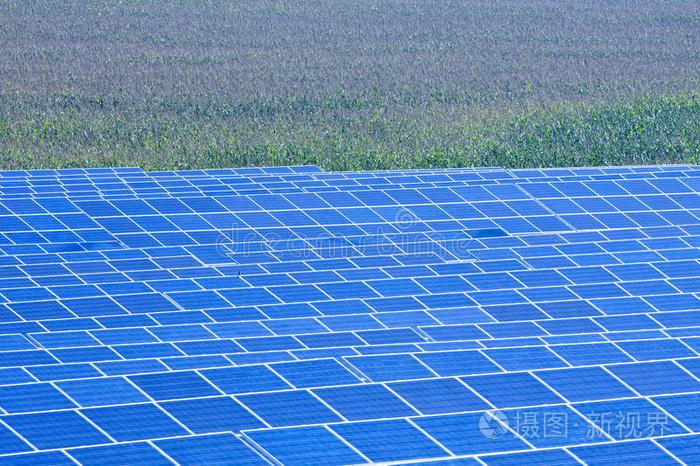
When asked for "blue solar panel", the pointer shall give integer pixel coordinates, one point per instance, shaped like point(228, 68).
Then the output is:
point(389, 440)
point(209, 449)
point(512, 389)
point(123, 453)
point(305, 445)
point(439, 396)
point(134, 422)
point(650, 421)
point(292, 315)
point(209, 415)
point(463, 434)
point(52, 430)
point(32, 397)
point(637, 451)
point(289, 408)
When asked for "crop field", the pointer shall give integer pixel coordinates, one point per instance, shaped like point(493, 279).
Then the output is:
point(348, 84)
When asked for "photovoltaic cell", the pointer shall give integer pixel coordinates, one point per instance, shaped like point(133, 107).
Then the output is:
point(341, 318)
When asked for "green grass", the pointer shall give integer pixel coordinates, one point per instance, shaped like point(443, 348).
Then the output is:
point(659, 130)
point(348, 85)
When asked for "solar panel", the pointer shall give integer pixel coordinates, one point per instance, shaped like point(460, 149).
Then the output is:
point(289, 315)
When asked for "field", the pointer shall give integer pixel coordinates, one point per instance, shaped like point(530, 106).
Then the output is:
point(348, 84)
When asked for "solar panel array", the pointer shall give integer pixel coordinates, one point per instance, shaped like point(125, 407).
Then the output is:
point(289, 315)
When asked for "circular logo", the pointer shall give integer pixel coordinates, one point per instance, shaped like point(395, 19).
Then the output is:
point(405, 219)
point(493, 425)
